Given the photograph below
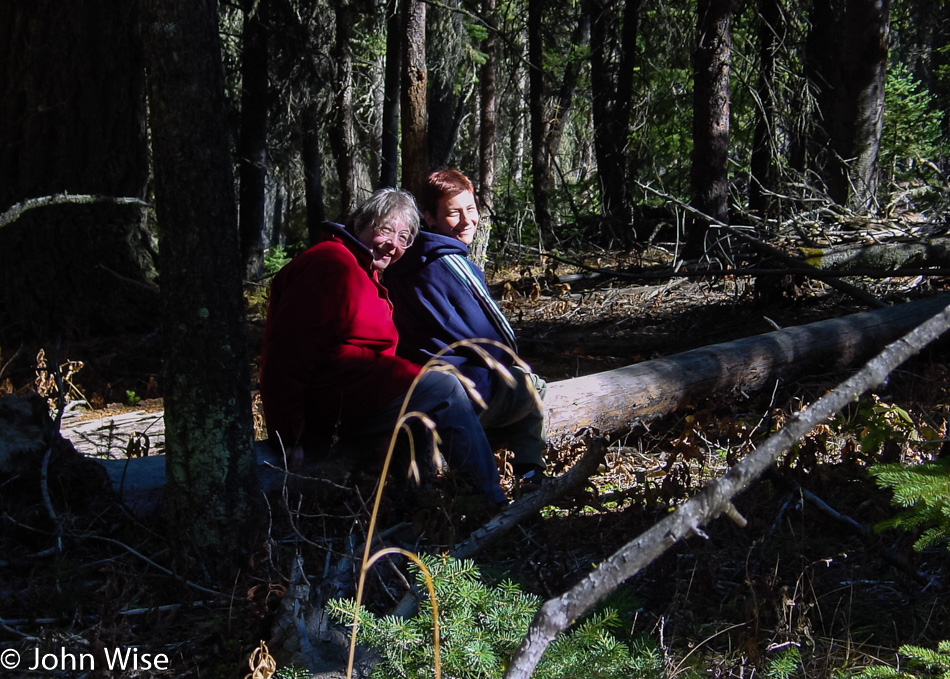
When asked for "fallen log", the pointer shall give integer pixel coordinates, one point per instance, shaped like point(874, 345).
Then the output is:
point(613, 401)
point(892, 255)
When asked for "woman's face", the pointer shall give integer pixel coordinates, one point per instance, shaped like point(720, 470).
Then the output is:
point(385, 247)
point(456, 217)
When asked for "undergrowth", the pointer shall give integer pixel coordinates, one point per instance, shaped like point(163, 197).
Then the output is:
point(481, 624)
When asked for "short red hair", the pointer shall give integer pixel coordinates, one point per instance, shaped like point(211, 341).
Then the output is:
point(440, 184)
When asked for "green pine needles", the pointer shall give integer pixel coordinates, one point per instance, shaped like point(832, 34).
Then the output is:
point(924, 493)
point(922, 663)
point(480, 627)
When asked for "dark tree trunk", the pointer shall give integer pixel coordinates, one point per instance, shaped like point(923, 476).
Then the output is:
point(312, 175)
point(823, 46)
point(415, 153)
point(208, 435)
point(561, 109)
point(939, 55)
point(612, 65)
point(342, 134)
point(444, 117)
point(710, 170)
point(859, 109)
point(252, 145)
point(764, 163)
point(389, 160)
point(486, 137)
point(72, 119)
point(536, 90)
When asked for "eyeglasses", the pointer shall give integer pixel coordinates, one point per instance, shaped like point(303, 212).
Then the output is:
point(402, 239)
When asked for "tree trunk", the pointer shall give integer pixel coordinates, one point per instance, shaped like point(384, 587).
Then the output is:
point(486, 137)
point(342, 134)
point(612, 66)
point(72, 119)
point(560, 111)
point(859, 110)
point(822, 51)
point(767, 136)
point(715, 499)
point(710, 162)
point(252, 144)
point(536, 90)
point(613, 401)
point(447, 92)
point(389, 157)
point(312, 174)
point(208, 433)
point(415, 153)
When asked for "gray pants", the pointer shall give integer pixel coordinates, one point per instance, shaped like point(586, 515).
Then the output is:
point(514, 418)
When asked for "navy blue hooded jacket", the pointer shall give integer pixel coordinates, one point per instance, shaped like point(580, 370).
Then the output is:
point(439, 297)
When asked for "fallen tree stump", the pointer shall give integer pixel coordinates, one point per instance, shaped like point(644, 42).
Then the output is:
point(613, 401)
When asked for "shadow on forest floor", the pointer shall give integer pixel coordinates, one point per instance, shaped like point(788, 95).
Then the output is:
point(723, 606)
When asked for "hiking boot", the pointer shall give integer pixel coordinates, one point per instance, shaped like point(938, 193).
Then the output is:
point(530, 479)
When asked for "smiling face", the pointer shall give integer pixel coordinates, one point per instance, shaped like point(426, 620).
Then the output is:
point(385, 248)
point(456, 216)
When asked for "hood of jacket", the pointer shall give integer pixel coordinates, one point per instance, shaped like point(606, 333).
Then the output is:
point(427, 248)
point(331, 230)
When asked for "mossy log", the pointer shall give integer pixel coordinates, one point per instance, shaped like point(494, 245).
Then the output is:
point(884, 256)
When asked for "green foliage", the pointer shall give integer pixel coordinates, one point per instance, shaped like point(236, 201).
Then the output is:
point(275, 258)
point(481, 625)
point(921, 663)
point(783, 664)
point(873, 423)
point(131, 398)
point(924, 493)
point(912, 121)
point(291, 672)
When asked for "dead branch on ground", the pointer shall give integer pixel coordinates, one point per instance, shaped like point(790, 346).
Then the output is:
point(557, 614)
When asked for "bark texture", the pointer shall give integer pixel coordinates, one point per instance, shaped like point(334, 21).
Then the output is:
point(859, 111)
point(710, 172)
point(252, 145)
point(415, 152)
point(208, 434)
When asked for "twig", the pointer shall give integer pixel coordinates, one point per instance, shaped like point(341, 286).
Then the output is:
point(864, 530)
point(44, 469)
point(532, 503)
point(152, 563)
point(798, 265)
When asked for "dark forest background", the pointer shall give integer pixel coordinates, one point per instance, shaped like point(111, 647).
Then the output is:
point(156, 155)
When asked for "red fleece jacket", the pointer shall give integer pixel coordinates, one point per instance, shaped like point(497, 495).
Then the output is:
point(329, 355)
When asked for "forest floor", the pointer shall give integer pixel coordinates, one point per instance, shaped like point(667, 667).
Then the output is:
point(803, 590)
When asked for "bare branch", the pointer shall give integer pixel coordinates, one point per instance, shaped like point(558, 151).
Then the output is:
point(14, 212)
point(557, 614)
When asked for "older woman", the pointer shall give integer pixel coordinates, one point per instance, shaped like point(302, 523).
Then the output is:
point(329, 368)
